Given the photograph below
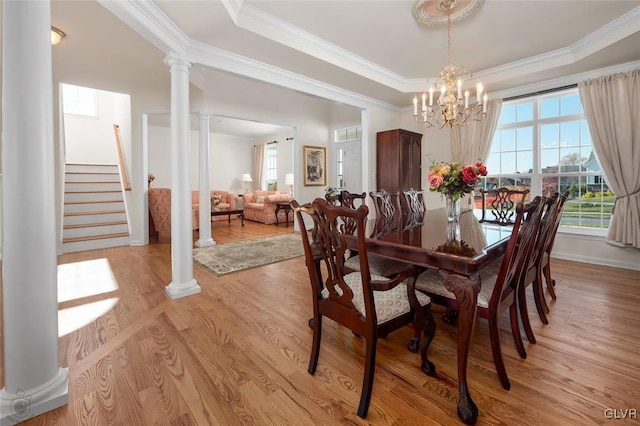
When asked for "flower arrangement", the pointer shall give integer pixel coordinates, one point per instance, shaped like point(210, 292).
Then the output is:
point(455, 180)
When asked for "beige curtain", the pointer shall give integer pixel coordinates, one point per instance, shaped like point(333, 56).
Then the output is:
point(471, 143)
point(612, 106)
point(259, 151)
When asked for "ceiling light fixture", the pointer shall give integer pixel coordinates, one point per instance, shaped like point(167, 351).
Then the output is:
point(451, 107)
point(57, 35)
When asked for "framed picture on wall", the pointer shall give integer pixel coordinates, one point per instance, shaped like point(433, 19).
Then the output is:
point(315, 166)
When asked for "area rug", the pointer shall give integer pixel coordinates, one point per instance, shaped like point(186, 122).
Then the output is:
point(232, 257)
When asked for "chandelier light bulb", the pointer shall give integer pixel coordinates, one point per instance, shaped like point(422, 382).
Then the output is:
point(451, 107)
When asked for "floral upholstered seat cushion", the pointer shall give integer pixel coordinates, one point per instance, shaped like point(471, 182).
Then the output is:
point(389, 304)
point(431, 282)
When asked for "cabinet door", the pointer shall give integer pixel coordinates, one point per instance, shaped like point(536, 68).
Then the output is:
point(410, 166)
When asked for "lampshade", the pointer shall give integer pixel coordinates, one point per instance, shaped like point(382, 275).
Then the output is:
point(288, 180)
point(57, 35)
point(246, 178)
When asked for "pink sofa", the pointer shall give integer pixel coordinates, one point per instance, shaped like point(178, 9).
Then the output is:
point(160, 210)
point(227, 202)
point(260, 206)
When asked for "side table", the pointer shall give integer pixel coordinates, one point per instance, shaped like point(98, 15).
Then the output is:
point(287, 208)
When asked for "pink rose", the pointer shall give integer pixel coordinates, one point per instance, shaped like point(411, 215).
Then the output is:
point(469, 175)
point(435, 180)
point(482, 169)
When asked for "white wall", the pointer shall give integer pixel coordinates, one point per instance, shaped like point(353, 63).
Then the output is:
point(238, 97)
point(92, 139)
point(229, 157)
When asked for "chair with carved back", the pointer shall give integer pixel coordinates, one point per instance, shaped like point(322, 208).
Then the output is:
point(349, 200)
point(546, 268)
point(498, 205)
point(367, 304)
point(379, 265)
point(533, 273)
point(415, 202)
point(498, 291)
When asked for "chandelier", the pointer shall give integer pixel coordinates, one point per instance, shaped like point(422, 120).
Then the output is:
point(451, 107)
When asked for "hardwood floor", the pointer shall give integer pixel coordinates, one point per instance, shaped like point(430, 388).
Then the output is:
point(238, 352)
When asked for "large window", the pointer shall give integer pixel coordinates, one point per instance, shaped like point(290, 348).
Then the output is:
point(80, 100)
point(543, 143)
point(271, 170)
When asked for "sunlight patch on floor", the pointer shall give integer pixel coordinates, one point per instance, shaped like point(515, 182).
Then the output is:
point(80, 280)
point(72, 319)
point(83, 279)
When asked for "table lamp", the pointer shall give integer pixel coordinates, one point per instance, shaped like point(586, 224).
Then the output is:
point(246, 178)
point(288, 180)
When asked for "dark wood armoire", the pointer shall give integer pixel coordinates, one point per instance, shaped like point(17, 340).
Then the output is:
point(398, 161)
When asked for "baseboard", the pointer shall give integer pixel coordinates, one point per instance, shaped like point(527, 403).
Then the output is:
point(597, 261)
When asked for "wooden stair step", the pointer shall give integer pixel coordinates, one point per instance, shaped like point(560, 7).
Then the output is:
point(92, 173)
point(93, 201)
point(95, 237)
point(91, 225)
point(93, 212)
point(92, 192)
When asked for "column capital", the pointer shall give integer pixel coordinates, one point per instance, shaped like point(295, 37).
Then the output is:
point(174, 60)
point(203, 115)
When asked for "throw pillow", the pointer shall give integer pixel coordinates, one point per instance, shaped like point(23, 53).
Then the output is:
point(260, 200)
point(215, 201)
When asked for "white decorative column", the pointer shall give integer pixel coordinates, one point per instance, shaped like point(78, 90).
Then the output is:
point(34, 382)
point(205, 187)
point(182, 281)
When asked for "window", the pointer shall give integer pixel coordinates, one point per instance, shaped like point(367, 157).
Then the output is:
point(543, 143)
point(348, 134)
point(80, 100)
point(272, 167)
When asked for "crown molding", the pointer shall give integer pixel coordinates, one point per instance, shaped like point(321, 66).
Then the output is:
point(236, 64)
point(149, 21)
point(613, 32)
point(255, 20)
point(565, 81)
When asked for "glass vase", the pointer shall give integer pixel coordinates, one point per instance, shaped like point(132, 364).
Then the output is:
point(453, 208)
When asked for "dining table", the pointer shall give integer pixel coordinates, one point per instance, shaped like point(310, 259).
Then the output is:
point(459, 249)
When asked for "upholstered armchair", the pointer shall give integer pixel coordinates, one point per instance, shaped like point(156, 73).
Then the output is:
point(160, 209)
point(260, 206)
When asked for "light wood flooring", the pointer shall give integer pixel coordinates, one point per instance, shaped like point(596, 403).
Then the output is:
point(237, 353)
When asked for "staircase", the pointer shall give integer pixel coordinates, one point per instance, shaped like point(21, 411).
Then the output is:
point(94, 212)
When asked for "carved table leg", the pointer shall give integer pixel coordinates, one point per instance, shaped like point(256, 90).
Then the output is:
point(466, 289)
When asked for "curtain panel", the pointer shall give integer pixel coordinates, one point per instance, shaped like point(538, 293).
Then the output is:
point(471, 143)
point(259, 152)
point(612, 107)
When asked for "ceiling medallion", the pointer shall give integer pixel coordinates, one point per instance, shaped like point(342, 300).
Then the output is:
point(435, 12)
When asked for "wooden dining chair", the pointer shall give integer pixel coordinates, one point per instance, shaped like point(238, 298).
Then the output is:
point(416, 209)
point(498, 291)
point(500, 203)
point(369, 305)
point(350, 200)
point(415, 201)
point(546, 268)
point(385, 203)
point(386, 221)
point(533, 272)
